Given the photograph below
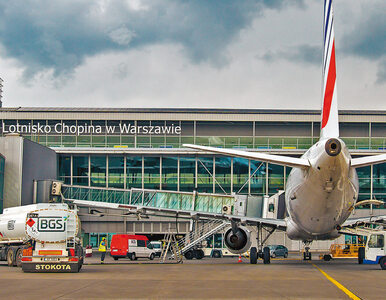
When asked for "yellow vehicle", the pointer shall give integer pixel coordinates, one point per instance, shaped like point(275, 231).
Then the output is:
point(342, 251)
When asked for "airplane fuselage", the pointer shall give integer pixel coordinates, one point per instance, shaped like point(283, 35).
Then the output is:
point(320, 198)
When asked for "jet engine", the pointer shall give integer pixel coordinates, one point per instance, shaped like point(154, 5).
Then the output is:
point(238, 240)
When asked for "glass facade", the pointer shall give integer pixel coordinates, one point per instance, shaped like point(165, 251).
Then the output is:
point(134, 131)
point(173, 134)
point(206, 174)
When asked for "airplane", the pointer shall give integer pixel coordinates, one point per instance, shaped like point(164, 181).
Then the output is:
point(322, 187)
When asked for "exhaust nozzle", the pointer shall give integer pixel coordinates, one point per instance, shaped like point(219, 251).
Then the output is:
point(333, 147)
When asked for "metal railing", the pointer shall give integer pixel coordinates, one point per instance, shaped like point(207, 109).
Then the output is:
point(257, 142)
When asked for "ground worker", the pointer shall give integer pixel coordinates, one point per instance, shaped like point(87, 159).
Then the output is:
point(102, 248)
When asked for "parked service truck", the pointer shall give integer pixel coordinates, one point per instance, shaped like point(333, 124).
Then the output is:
point(41, 238)
point(375, 250)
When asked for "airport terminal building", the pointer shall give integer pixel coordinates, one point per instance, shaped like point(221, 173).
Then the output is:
point(115, 148)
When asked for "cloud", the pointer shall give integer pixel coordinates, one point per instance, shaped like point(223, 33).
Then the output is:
point(305, 54)
point(58, 36)
point(381, 73)
point(368, 38)
point(122, 36)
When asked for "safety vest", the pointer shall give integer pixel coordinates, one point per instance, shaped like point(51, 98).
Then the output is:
point(102, 246)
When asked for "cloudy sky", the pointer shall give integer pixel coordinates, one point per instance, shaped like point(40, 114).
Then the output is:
point(175, 53)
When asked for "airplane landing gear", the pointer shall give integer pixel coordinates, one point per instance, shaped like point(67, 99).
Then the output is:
point(307, 254)
point(263, 253)
point(253, 255)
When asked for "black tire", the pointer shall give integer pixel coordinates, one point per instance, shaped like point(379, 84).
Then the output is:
point(151, 256)
point(189, 254)
point(199, 254)
point(286, 255)
point(266, 256)
point(382, 263)
point(273, 255)
point(253, 255)
point(11, 257)
point(19, 255)
point(133, 257)
point(307, 256)
point(326, 257)
point(216, 254)
point(115, 258)
point(361, 255)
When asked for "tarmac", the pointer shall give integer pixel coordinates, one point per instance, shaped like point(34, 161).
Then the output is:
point(209, 278)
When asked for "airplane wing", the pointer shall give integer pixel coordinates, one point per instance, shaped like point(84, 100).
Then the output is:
point(368, 160)
point(276, 159)
point(359, 221)
point(174, 213)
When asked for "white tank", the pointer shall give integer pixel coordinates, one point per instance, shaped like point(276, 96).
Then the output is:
point(43, 222)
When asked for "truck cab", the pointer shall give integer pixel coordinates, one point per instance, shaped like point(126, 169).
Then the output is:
point(375, 251)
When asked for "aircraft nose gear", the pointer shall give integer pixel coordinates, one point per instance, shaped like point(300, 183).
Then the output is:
point(307, 253)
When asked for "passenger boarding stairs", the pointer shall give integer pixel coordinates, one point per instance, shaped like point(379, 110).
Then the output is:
point(194, 238)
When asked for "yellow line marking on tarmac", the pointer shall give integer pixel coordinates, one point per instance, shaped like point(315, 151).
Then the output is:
point(341, 287)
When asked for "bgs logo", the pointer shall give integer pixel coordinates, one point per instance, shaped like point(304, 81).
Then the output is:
point(46, 224)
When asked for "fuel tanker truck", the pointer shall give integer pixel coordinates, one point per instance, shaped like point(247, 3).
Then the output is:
point(41, 238)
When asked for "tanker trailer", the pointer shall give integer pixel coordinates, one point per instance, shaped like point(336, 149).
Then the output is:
point(41, 238)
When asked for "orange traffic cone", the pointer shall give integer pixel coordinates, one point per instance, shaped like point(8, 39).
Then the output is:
point(239, 261)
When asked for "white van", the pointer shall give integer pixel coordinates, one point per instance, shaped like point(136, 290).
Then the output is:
point(132, 246)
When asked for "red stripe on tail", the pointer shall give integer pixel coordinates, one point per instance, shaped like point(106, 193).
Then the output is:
point(329, 92)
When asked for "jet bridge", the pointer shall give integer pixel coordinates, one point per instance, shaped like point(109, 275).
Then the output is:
point(233, 205)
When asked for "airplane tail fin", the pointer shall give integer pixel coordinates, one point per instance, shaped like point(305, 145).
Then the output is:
point(330, 123)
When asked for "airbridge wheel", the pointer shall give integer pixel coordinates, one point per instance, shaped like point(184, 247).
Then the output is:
point(253, 255)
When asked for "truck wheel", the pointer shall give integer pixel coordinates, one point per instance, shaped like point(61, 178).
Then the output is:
point(189, 254)
point(133, 257)
point(326, 257)
point(253, 255)
point(382, 262)
point(11, 257)
point(199, 254)
point(216, 254)
point(151, 256)
point(361, 255)
point(115, 258)
point(266, 256)
point(19, 255)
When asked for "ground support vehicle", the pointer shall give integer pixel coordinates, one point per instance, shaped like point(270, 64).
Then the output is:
point(375, 251)
point(278, 250)
point(41, 238)
point(131, 246)
point(157, 247)
point(341, 251)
